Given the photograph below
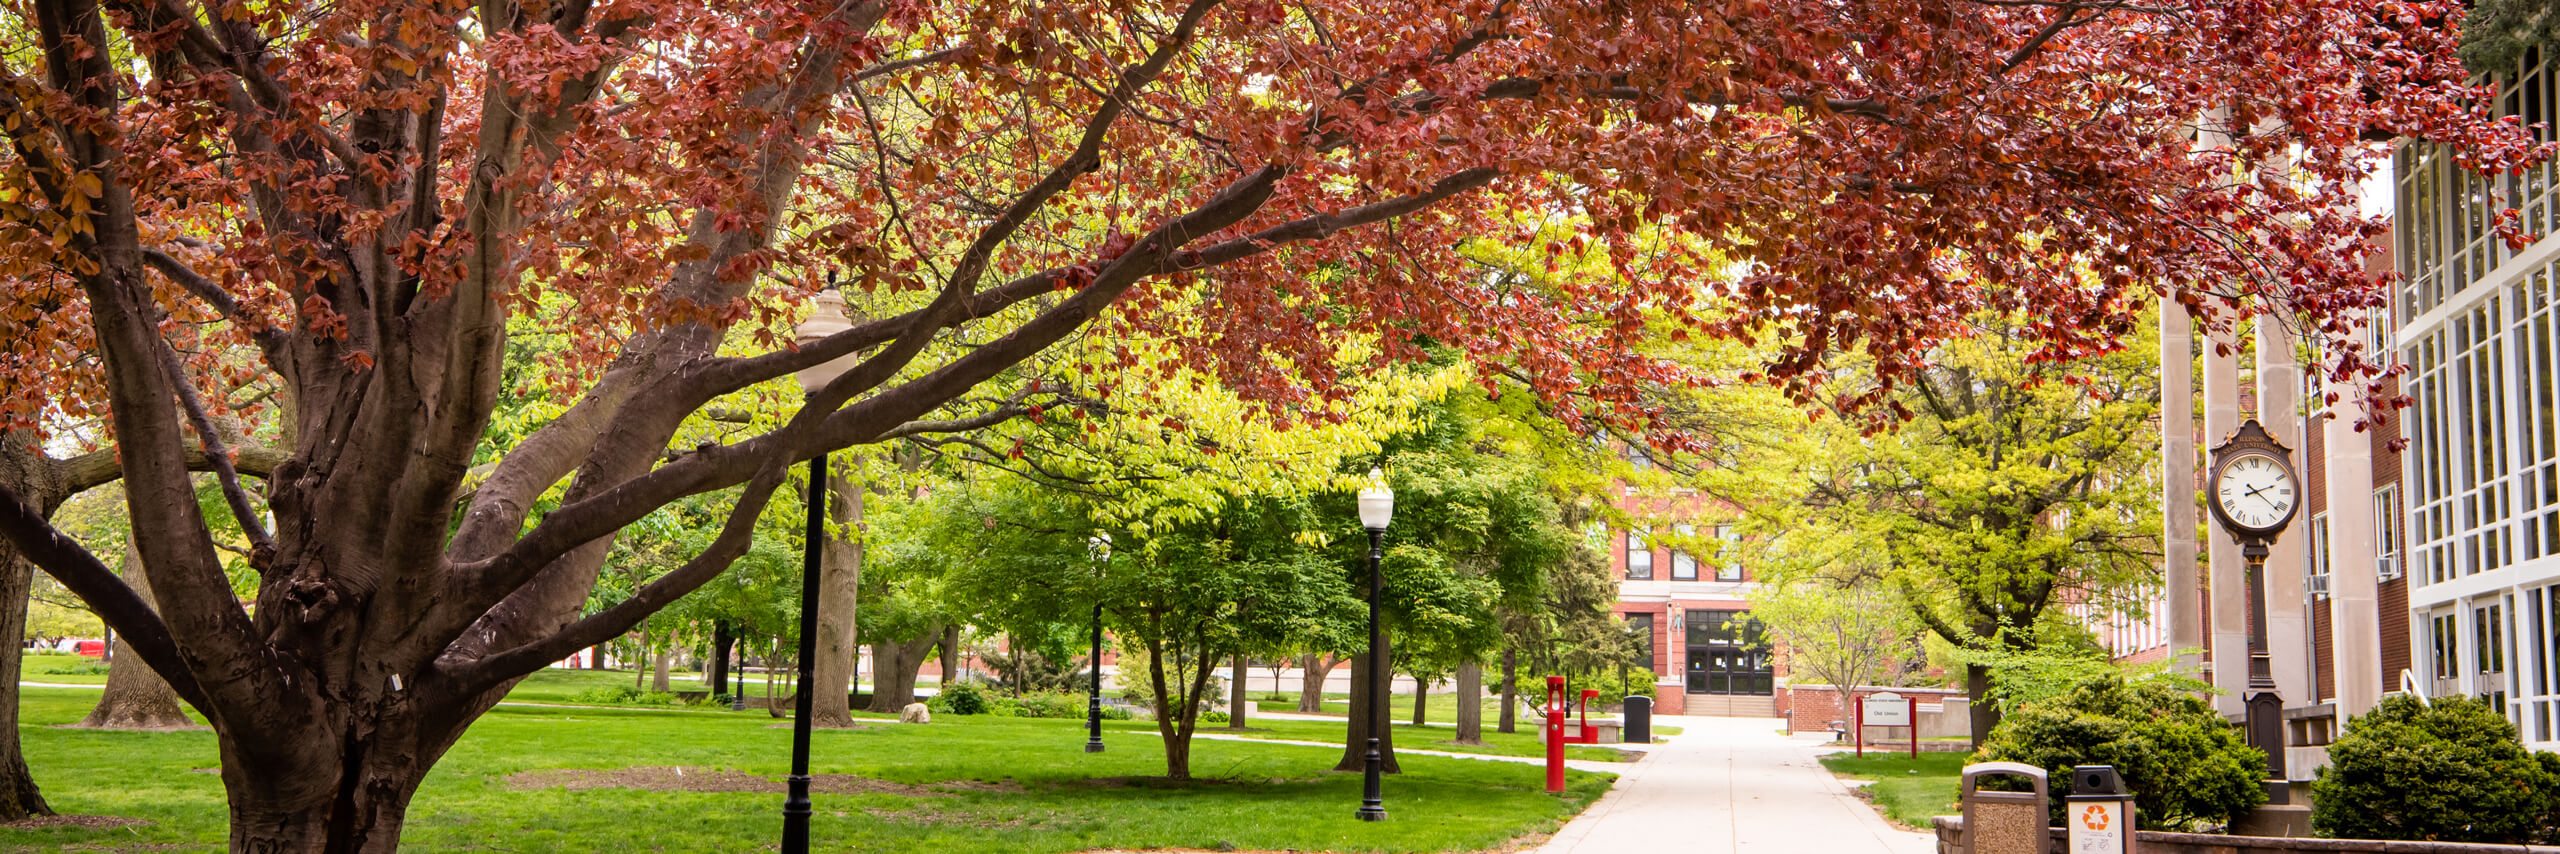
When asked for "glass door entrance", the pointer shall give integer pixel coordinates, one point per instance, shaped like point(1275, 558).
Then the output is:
point(1725, 655)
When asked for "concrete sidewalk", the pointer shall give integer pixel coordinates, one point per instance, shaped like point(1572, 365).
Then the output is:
point(1732, 785)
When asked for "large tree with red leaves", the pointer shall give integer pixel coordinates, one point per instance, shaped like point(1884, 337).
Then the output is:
point(370, 194)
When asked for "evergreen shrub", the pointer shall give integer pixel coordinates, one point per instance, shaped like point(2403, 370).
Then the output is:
point(2187, 768)
point(964, 698)
point(2450, 770)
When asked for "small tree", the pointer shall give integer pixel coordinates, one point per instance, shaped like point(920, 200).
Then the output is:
point(1839, 628)
point(2448, 770)
point(2185, 765)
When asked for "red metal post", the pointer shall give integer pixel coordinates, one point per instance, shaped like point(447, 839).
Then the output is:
point(1555, 734)
point(1913, 709)
point(1858, 722)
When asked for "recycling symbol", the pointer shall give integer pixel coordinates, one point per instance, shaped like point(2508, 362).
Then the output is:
point(2095, 817)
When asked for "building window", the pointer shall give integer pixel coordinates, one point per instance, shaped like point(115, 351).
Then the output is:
point(2446, 643)
point(1639, 556)
point(2320, 556)
point(1640, 627)
point(1684, 566)
point(1727, 567)
point(2386, 532)
point(2492, 655)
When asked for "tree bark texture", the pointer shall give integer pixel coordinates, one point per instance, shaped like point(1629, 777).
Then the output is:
point(1470, 703)
point(1243, 701)
point(1313, 670)
point(1421, 701)
point(894, 686)
point(135, 697)
point(27, 472)
point(716, 674)
point(950, 654)
point(1510, 714)
point(839, 577)
point(661, 657)
point(1367, 711)
point(18, 795)
point(1984, 716)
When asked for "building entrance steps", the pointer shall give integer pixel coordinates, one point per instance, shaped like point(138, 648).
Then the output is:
point(1733, 785)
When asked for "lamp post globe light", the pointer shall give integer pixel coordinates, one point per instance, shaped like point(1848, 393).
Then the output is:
point(1098, 548)
point(1377, 506)
point(829, 319)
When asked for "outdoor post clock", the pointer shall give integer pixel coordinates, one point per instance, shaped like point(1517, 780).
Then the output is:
point(2255, 493)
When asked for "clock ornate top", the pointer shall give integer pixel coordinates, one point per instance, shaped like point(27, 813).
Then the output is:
point(2254, 487)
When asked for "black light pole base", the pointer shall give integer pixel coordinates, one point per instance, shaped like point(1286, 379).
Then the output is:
point(795, 815)
point(1372, 808)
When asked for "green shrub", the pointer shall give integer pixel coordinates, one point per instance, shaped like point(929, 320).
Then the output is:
point(65, 665)
point(964, 698)
point(2449, 771)
point(2185, 765)
point(1213, 717)
point(624, 695)
point(1052, 705)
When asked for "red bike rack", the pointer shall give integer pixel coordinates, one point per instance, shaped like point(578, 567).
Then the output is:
point(1556, 737)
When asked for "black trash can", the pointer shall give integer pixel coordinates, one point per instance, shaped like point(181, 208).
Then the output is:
point(1639, 715)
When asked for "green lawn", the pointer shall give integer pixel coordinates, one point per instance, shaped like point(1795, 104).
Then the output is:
point(1906, 790)
point(1053, 798)
point(63, 669)
point(563, 686)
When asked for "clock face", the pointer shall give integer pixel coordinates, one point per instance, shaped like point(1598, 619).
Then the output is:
point(2255, 491)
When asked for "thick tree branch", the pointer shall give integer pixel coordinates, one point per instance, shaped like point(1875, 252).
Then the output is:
point(98, 587)
point(268, 338)
point(736, 534)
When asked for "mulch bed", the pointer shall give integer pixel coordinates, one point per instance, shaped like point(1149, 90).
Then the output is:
point(84, 822)
point(695, 779)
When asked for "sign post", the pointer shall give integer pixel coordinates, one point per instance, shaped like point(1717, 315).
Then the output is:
point(1886, 709)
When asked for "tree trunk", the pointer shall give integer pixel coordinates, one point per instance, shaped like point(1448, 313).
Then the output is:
point(1243, 699)
point(326, 814)
point(1421, 697)
point(18, 796)
point(839, 576)
point(716, 676)
point(1470, 703)
point(1367, 711)
point(1977, 683)
point(658, 663)
point(950, 654)
point(136, 697)
point(894, 686)
point(1510, 715)
point(1314, 669)
point(774, 671)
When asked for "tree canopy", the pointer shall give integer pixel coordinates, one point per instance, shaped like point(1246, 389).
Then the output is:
point(344, 205)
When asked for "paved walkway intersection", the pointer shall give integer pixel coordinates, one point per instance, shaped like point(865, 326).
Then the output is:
point(1733, 785)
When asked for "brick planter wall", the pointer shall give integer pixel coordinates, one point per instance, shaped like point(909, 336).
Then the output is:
point(1950, 831)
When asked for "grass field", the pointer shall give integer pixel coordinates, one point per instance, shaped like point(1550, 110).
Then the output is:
point(63, 669)
point(959, 785)
point(1906, 790)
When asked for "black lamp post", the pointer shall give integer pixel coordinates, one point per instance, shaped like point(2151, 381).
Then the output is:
point(1099, 548)
point(828, 320)
point(1377, 505)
